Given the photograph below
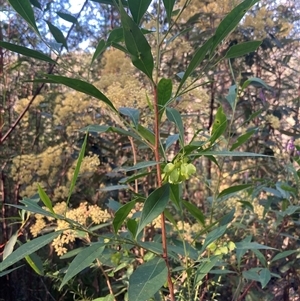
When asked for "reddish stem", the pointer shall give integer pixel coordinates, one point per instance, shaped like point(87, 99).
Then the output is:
point(159, 184)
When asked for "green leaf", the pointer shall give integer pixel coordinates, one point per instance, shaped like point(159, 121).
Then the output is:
point(24, 9)
point(169, 4)
point(229, 154)
point(121, 214)
point(260, 257)
point(80, 86)
point(195, 212)
point(27, 52)
point(256, 82)
point(219, 126)
point(45, 199)
point(77, 168)
point(27, 249)
point(198, 57)
point(9, 246)
point(71, 253)
point(171, 140)
point(114, 187)
point(57, 34)
point(164, 93)
point(36, 4)
point(120, 47)
point(174, 116)
point(242, 139)
point(84, 259)
point(229, 23)
point(106, 298)
point(154, 205)
point(137, 45)
point(261, 275)
point(213, 236)
point(204, 268)
point(241, 252)
point(67, 17)
point(147, 279)
point(132, 226)
point(110, 2)
point(139, 165)
point(283, 254)
point(116, 36)
point(99, 49)
point(232, 96)
point(36, 263)
point(242, 49)
point(233, 189)
point(104, 129)
point(133, 114)
point(138, 9)
point(33, 207)
point(226, 219)
point(134, 177)
point(245, 245)
point(9, 271)
point(146, 134)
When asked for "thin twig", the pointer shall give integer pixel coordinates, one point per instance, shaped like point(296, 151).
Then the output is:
point(246, 291)
point(107, 279)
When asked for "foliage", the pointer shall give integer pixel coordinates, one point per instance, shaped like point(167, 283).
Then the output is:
point(123, 199)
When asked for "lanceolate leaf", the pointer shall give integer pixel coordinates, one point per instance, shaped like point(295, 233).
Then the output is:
point(137, 45)
point(45, 199)
point(116, 35)
point(132, 113)
point(219, 126)
point(174, 116)
point(242, 49)
point(99, 49)
point(24, 9)
point(164, 93)
point(27, 249)
point(256, 82)
point(111, 2)
point(122, 214)
point(147, 279)
point(26, 51)
point(9, 271)
point(213, 236)
point(242, 139)
point(9, 246)
point(80, 86)
point(230, 22)
point(36, 3)
point(139, 165)
point(138, 9)
point(262, 275)
point(195, 212)
point(169, 4)
point(234, 189)
point(67, 17)
point(77, 168)
point(36, 263)
point(154, 205)
point(204, 268)
point(86, 257)
point(57, 34)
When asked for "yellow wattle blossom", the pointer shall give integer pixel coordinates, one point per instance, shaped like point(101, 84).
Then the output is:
point(85, 215)
point(273, 120)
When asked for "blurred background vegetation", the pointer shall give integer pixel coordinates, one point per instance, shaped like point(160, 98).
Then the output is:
point(44, 146)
